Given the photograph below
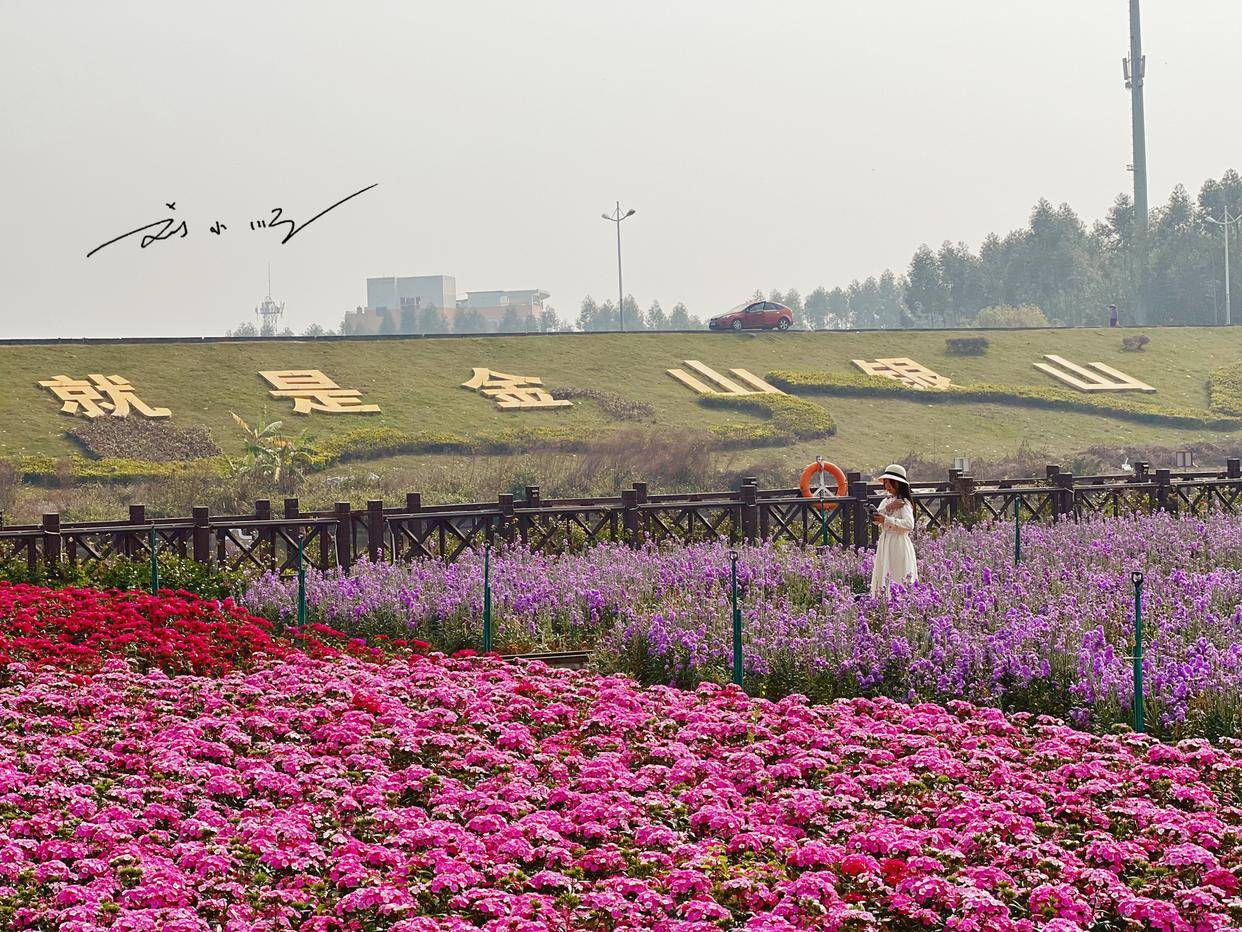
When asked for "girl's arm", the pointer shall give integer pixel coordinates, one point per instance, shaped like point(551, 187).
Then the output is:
point(902, 522)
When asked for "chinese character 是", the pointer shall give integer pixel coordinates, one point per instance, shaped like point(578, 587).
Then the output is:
point(311, 390)
point(88, 397)
point(513, 392)
point(904, 370)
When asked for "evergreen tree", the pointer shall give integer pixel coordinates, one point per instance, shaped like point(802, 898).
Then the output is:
point(512, 321)
point(656, 318)
point(588, 315)
point(314, 330)
point(244, 329)
point(549, 322)
point(679, 318)
point(431, 320)
point(469, 320)
point(926, 299)
point(633, 315)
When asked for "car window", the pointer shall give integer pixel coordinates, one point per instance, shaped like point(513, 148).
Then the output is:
point(755, 307)
point(769, 306)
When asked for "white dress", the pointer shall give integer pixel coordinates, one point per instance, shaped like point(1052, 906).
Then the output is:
point(894, 554)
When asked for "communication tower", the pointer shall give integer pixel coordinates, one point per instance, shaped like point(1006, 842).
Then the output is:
point(269, 312)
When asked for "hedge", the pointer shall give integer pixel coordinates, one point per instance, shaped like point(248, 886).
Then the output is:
point(851, 385)
point(1225, 390)
point(786, 419)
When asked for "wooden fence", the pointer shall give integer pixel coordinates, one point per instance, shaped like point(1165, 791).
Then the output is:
point(340, 537)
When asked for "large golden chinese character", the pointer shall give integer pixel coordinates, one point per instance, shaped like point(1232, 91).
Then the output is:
point(79, 395)
point(725, 386)
point(513, 392)
point(904, 370)
point(1104, 379)
point(311, 390)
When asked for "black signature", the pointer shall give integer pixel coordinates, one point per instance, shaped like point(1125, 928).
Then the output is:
point(170, 226)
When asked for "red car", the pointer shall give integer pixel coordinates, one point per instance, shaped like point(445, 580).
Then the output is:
point(754, 315)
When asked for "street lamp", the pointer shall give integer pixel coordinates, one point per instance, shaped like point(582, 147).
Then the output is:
point(1224, 225)
point(616, 217)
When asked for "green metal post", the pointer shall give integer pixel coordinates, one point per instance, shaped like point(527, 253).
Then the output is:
point(487, 598)
point(155, 560)
point(737, 623)
point(1137, 578)
point(301, 583)
point(1017, 530)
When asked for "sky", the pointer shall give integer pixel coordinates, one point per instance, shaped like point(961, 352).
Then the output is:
point(775, 144)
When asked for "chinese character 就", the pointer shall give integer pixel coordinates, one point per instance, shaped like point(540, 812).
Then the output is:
point(904, 370)
point(513, 392)
point(311, 390)
point(79, 395)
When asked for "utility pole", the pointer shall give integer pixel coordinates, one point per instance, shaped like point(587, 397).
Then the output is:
point(616, 217)
point(1134, 68)
point(1224, 224)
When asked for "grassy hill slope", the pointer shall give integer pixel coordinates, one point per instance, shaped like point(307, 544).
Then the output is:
point(417, 384)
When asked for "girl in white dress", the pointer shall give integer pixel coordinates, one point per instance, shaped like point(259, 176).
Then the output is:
point(894, 554)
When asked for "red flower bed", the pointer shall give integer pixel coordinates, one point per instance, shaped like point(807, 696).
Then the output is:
point(177, 632)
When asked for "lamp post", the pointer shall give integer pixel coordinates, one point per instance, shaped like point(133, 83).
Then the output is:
point(616, 217)
point(1224, 225)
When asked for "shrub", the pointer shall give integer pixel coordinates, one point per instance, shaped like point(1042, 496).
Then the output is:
point(176, 573)
point(966, 346)
point(1135, 344)
point(611, 405)
point(1142, 410)
point(787, 419)
point(142, 439)
point(1225, 390)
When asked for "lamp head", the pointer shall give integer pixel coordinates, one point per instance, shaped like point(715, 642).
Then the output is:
point(606, 217)
point(630, 212)
point(1136, 577)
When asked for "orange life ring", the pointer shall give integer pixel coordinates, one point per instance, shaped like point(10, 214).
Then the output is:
point(819, 466)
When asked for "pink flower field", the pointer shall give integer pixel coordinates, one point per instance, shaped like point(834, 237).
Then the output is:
point(432, 793)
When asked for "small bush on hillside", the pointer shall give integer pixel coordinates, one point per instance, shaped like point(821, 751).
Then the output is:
point(611, 405)
point(137, 438)
point(1135, 344)
point(176, 573)
point(966, 346)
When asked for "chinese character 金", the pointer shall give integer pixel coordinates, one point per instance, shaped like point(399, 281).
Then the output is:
point(87, 398)
point(514, 392)
point(311, 390)
point(904, 370)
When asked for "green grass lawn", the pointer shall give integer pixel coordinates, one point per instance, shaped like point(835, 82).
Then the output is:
point(417, 384)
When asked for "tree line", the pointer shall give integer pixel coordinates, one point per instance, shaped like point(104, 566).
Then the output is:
point(1054, 270)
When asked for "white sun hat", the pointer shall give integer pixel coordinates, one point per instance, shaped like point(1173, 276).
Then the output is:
point(896, 472)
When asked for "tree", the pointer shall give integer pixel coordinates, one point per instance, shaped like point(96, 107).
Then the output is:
point(679, 318)
point(606, 318)
point(469, 320)
point(409, 318)
point(926, 298)
point(793, 301)
point(387, 325)
point(656, 318)
point(244, 329)
point(431, 320)
point(1182, 277)
point(961, 276)
point(549, 322)
point(314, 330)
point(633, 315)
point(513, 321)
point(816, 308)
point(588, 314)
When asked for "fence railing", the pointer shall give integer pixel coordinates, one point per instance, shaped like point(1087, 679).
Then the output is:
point(340, 537)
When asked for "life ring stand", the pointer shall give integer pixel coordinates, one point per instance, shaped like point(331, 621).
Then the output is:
point(820, 490)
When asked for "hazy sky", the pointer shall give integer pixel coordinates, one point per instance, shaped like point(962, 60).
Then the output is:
point(773, 144)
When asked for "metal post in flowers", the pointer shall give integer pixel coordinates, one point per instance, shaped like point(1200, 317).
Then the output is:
point(155, 560)
point(737, 623)
point(487, 598)
point(1137, 578)
point(301, 582)
point(1017, 529)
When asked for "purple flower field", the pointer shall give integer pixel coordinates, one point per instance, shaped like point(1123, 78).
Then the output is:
point(1053, 635)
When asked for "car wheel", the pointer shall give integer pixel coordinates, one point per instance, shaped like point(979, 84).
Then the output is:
point(736, 325)
point(782, 324)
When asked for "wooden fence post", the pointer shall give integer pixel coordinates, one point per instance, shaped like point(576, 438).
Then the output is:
point(375, 530)
point(1142, 469)
point(749, 509)
point(344, 535)
point(525, 522)
point(629, 515)
point(51, 539)
point(1163, 482)
point(138, 516)
point(1233, 468)
point(858, 530)
point(202, 534)
point(1065, 487)
point(504, 502)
